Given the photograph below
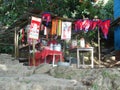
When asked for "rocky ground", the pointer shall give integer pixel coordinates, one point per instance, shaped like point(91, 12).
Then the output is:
point(15, 76)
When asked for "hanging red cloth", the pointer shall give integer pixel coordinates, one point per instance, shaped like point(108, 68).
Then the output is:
point(93, 24)
point(104, 26)
point(46, 17)
point(78, 25)
point(86, 25)
point(23, 36)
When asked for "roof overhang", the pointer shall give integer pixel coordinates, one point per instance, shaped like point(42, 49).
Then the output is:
point(115, 22)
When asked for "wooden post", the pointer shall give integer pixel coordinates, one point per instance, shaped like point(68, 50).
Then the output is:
point(15, 43)
point(34, 63)
point(29, 55)
point(17, 48)
point(99, 54)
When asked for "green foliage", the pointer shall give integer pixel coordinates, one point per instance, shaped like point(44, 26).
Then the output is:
point(106, 12)
point(6, 49)
point(10, 10)
point(95, 86)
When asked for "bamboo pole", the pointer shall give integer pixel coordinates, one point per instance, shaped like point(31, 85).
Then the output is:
point(34, 62)
point(29, 55)
point(99, 54)
point(17, 48)
point(15, 43)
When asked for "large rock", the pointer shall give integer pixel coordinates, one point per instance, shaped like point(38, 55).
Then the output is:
point(15, 76)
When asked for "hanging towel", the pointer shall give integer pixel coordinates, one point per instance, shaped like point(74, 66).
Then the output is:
point(54, 26)
point(78, 25)
point(23, 35)
point(59, 27)
point(105, 27)
point(46, 17)
point(45, 30)
point(66, 30)
point(93, 24)
point(86, 25)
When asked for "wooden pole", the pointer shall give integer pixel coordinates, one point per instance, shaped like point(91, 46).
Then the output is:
point(29, 55)
point(99, 54)
point(34, 52)
point(15, 43)
point(17, 48)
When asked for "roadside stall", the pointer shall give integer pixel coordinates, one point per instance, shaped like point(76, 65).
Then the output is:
point(46, 33)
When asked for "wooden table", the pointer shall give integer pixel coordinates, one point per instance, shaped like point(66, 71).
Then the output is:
point(79, 50)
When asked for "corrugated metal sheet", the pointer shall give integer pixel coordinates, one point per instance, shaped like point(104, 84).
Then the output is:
point(117, 28)
point(116, 9)
point(117, 37)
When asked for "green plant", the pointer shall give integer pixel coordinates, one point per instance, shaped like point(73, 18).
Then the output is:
point(95, 86)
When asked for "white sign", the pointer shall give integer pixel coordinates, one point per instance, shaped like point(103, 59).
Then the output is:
point(35, 28)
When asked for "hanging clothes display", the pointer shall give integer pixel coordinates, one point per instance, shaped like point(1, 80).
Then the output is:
point(59, 27)
point(46, 17)
point(78, 25)
point(45, 30)
point(93, 24)
point(86, 25)
point(23, 35)
point(54, 27)
point(66, 30)
point(104, 26)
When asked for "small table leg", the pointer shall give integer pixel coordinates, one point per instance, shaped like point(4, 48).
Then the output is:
point(78, 59)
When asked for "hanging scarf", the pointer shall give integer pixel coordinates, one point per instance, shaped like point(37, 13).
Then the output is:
point(86, 25)
point(78, 25)
point(93, 24)
point(105, 27)
point(23, 36)
point(54, 26)
point(46, 17)
point(59, 28)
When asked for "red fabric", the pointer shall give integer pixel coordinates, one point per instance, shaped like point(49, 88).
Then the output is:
point(105, 27)
point(78, 25)
point(23, 36)
point(48, 54)
point(86, 25)
point(93, 25)
point(46, 17)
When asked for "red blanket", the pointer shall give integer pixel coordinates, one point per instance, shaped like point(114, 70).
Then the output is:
point(48, 54)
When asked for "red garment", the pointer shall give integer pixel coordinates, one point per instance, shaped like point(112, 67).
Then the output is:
point(23, 35)
point(93, 25)
point(105, 27)
point(46, 17)
point(78, 25)
point(86, 25)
